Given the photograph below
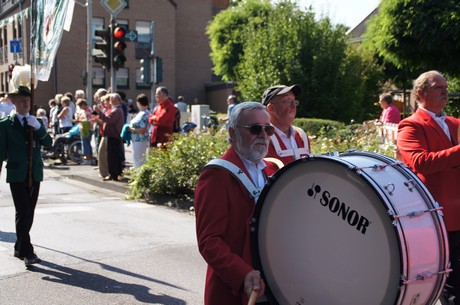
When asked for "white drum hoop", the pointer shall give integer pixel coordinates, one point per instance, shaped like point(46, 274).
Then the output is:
point(290, 272)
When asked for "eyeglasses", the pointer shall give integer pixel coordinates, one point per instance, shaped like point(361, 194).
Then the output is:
point(290, 103)
point(256, 129)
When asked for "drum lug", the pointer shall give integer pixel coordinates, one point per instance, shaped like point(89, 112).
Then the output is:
point(410, 184)
point(422, 276)
point(390, 187)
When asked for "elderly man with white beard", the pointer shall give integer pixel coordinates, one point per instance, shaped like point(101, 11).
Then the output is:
point(225, 201)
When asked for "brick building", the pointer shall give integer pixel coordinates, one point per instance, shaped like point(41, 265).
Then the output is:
point(179, 39)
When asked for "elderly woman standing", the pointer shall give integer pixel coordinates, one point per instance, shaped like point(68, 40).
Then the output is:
point(139, 128)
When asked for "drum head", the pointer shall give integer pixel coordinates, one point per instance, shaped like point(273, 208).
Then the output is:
point(323, 236)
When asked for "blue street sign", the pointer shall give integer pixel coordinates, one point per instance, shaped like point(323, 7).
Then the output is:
point(15, 46)
point(131, 35)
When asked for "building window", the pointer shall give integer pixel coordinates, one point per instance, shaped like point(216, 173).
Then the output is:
point(144, 39)
point(122, 76)
point(99, 77)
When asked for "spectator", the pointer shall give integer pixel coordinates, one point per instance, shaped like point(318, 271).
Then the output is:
point(231, 102)
point(83, 117)
point(181, 104)
point(428, 143)
point(224, 207)
point(6, 106)
point(65, 116)
point(390, 114)
point(72, 106)
point(41, 114)
point(162, 118)
point(288, 143)
point(113, 124)
point(96, 123)
point(14, 148)
point(139, 128)
point(54, 116)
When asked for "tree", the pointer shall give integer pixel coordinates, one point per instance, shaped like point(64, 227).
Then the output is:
point(259, 44)
point(417, 35)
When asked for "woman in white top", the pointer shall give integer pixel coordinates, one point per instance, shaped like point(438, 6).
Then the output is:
point(65, 116)
point(139, 127)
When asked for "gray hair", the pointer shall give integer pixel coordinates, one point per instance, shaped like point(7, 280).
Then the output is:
point(235, 116)
point(424, 81)
point(386, 97)
point(79, 94)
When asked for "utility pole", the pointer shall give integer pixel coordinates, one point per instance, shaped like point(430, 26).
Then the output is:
point(89, 55)
point(152, 66)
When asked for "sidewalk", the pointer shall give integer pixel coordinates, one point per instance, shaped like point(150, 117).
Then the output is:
point(88, 173)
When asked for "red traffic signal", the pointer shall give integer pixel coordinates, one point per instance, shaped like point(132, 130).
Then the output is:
point(118, 46)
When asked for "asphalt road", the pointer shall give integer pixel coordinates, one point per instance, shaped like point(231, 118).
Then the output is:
point(98, 248)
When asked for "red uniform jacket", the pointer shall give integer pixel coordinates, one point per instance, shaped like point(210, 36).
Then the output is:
point(162, 120)
point(287, 159)
point(224, 210)
point(426, 149)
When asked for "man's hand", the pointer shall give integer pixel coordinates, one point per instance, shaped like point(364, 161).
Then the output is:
point(253, 281)
point(33, 122)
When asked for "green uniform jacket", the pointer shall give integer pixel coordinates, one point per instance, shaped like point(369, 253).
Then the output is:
point(14, 140)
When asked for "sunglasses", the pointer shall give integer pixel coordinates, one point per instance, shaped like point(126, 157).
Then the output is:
point(256, 129)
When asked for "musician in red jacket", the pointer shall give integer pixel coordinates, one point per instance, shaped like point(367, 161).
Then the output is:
point(225, 201)
point(428, 144)
point(162, 118)
point(288, 143)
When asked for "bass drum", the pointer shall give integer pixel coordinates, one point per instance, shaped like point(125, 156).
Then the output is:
point(356, 229)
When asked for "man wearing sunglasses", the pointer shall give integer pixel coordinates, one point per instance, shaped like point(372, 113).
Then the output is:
point(288, 143)
point(225, 201)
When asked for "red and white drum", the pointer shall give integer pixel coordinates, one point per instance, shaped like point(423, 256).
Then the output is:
point(356, 229)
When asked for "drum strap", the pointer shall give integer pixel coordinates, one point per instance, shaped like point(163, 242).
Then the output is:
point(297, 152)
point(238, 174)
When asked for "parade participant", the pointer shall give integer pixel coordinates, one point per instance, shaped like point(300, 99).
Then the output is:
point(15, 148)
point(288, 143)
point(428, 143)
point(224, 207)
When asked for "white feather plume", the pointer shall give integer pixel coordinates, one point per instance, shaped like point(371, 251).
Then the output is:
point(20, 78)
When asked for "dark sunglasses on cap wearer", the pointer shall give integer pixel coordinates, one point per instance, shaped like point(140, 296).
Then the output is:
point(256, 129)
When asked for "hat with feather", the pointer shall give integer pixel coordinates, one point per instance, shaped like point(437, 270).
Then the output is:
point(20, 81)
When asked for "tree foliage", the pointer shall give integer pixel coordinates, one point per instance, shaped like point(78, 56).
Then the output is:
point(417, 35)
point(258, 44)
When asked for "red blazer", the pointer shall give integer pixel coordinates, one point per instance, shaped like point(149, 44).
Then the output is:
point(288, 159)
point(426, 149)
point(223, 209)
point(162, 119)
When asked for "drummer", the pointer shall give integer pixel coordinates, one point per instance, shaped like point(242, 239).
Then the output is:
point(224, 207)
point(428, 142)
point(288, 143)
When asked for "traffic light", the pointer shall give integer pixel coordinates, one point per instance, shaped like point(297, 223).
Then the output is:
point(10, 70)
point(158, 70)
point(145, 70)
point(101, 51)
point(119, 45)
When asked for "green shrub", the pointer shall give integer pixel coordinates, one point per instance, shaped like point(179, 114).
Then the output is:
point(318, 126)
point(170, 175)
point(174, 171)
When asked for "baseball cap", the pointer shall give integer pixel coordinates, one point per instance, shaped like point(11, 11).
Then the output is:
point(273, 91)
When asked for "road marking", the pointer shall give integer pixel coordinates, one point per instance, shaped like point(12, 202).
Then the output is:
point(63, 209)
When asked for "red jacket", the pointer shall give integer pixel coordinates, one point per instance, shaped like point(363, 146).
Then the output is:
point(162, 120)
point(426, 149)
point(224, 210)
point(286, 159)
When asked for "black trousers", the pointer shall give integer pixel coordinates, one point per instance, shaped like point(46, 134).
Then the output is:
point(453, 280)
point(25, 201)
point(115, 157)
